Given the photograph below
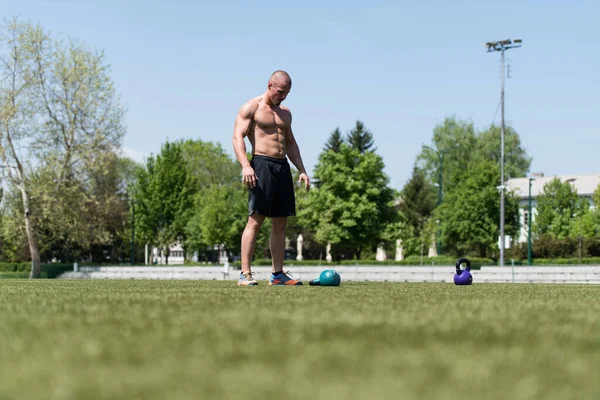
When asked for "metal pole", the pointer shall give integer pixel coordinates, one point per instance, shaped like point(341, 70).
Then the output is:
point(440, 194)
point(502, 171)
point(132, 232)
point(501, 46)
point(529, 227)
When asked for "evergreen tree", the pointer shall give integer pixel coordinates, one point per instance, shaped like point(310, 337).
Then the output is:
point(360, 138)
point(335, 141)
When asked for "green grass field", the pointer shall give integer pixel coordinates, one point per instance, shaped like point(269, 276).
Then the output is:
point(212, 340)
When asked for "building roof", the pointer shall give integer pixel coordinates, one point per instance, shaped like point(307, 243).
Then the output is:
point(585, 185)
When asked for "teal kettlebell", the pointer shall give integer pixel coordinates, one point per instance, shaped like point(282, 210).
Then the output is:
point(329, 277)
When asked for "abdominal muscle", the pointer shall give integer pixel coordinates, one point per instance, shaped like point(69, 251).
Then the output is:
point(269, 143)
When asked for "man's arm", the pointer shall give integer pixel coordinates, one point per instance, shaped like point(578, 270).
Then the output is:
point(243, 122)
point(293, 153)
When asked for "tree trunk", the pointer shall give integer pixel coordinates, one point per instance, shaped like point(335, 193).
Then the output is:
point(36, 265)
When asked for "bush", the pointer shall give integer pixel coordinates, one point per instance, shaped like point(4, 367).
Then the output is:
point(15, 266)
point(51, 271)
point(550, 247)
point(22, 270)
point(565, 261)
point(14, 275)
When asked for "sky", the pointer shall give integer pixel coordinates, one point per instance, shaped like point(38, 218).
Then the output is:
point(184, 68)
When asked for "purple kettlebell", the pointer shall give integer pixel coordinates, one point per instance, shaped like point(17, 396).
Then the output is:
point(463, 276)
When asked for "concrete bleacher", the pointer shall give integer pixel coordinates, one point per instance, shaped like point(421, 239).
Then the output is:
point(374, 273)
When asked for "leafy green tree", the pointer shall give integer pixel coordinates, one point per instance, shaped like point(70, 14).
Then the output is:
point(208, 164)
point(456, 148)
point(596, 198)
point(470, 214)
point(352, 204)
point(335, 141)
point(516, 160)
point(128, 174)
point(583, 224)
point(596, 212)
point(59, 113)
point(360, 138)
point(220, 210)
point(13, 237)
point(164, 197)
point(221, 213)
point(451, 150)
point(99, 194)
point(556, 209)
point(456, 144)
point(417, 201)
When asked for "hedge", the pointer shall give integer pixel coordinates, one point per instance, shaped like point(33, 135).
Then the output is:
point(15, 267)
point(565, 261)
point(50, 271)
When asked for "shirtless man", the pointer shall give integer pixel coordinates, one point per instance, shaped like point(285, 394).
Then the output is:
point(268, 126)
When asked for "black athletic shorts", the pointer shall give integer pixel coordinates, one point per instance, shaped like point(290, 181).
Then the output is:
point(273, 194)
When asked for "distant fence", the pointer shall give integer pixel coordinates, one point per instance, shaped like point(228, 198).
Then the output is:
point(507, 274)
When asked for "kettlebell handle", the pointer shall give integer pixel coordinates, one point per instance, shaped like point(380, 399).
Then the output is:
point(461, 261)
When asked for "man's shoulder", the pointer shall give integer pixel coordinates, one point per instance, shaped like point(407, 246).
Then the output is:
point(287, 110)
point(250, 107)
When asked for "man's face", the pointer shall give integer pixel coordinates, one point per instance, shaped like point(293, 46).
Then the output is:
point(278, 92)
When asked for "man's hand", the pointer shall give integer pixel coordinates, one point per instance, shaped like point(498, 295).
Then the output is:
point(306, 179)
point(248, 176)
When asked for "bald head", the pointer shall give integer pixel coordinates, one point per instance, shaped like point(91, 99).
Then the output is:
point(281, 78)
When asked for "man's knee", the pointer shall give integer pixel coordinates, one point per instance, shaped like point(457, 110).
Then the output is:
point(255, 221)
point(278, 224)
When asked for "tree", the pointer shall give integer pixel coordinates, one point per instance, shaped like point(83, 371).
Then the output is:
point(164, 197)
point(584, 222)
point(360, 139)
point(516, 160)
point(208, 164)
point(456, 148)
point(417, 202)
point(352, 205)
point(452, 149)
point(335, 141)
point(469, 215)
point(99, 194)
point(456, 144)
point(561, 213)
point(58, 111)
point(219, 218)
point(596, 213)
point(13, 237)
point(220, 210)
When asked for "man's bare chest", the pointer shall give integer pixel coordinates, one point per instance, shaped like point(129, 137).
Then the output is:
point(268, 119)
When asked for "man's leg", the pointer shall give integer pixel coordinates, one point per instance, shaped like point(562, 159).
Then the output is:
point(277, 245)
point(277, 242)
point(249, 236)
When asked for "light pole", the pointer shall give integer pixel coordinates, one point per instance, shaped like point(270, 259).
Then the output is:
point(529, 217)
point(440, 154)
point(502, 46)
point(132, 231)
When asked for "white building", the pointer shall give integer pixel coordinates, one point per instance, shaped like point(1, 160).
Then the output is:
point(584, 185)
point(176, 255)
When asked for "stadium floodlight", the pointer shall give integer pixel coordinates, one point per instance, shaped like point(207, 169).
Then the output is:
point(502, 46)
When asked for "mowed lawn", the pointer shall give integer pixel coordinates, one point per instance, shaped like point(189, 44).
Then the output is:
point(63, 339)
